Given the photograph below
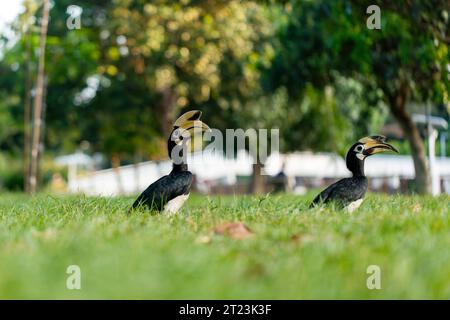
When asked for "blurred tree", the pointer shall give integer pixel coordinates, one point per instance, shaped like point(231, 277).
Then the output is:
point(27, 25)
point(119, 80)
point(407, 59)
point(196, 54)
point(38, 102)
point(187, 52)
point(74, 55)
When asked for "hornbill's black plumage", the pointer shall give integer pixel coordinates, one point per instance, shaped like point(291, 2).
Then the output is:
point(170, 192)
point(349, 192)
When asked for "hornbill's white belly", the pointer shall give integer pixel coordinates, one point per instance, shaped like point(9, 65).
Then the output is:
point(175, 204)
point(353, 205)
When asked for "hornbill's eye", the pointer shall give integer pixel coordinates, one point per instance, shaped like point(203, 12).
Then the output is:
point(359, 148)
point(176, 134)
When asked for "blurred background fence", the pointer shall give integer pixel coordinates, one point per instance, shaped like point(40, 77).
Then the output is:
point(295, 172)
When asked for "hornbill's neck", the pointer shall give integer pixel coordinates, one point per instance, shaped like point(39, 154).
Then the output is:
point(180, 163)
point(354, 164)
point(179, 167)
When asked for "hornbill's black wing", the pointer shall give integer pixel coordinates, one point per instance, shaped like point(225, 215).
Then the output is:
point(342, 192)
point(165, 189)
point(324, 195)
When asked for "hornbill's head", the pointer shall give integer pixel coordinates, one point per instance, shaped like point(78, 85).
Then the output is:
point(184, 129)
point(366, 147)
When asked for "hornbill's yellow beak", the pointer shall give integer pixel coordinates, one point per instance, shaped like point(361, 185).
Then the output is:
point(376, 144)
point(189, 128)
point(191, 121)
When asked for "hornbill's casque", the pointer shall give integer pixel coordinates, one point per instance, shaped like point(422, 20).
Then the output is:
point(170, 192)
point(348, 193)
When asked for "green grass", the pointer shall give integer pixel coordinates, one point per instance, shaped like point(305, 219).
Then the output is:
point(294, 253)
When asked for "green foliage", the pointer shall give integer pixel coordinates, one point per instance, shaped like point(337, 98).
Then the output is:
point(11, 172)
point(317, 94)
point(10, 102)
point(293, 253)
point(11, 177)
point(119, 81)
point(12, 180)
point(196, 54)
point(327, 44)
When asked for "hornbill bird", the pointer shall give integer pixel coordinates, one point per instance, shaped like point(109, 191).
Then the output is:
point(348, 193)
point(170, 192)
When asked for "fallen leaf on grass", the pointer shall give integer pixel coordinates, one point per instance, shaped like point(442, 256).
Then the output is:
point(298, 238)
point(203, 239)
point(235, 230)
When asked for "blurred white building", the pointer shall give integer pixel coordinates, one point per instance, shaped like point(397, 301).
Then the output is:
point(213, 170)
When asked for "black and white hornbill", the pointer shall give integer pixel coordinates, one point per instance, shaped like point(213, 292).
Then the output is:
point(348, 193)
point(169, 193)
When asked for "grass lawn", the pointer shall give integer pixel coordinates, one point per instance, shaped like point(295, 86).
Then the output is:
point(292, 253)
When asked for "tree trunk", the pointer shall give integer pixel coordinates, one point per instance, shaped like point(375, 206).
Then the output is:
point(398, 108)
point(258, 182)
point(38, 101)
point(27, 113)
point(42, 131)
point(166, 108)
